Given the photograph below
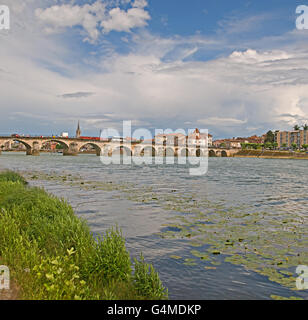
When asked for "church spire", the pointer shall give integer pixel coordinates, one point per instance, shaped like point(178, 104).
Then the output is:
point(78, 131)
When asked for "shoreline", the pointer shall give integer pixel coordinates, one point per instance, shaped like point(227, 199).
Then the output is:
point(270, 155)
point(53, 255)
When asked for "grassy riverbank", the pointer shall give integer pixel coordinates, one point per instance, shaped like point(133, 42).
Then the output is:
point(52, 254)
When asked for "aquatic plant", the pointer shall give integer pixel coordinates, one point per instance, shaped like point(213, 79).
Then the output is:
point(270, 243)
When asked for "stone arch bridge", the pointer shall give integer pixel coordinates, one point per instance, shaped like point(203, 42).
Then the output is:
point(73, 146)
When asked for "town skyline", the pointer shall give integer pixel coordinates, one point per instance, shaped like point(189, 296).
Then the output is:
point(73, 133)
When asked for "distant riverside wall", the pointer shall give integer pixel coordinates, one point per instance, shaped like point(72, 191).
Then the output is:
point(267, 154)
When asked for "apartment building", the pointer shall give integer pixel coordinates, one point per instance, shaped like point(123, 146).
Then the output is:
point(288, 138)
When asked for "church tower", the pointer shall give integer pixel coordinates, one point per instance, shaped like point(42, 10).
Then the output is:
point(78, 131)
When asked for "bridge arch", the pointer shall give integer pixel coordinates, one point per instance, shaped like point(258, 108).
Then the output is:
point(62, 143)
point(198, 153)
point(212, 154)
point(170, 152)
point(148, 152)
point(95, 146)
point(161, 151)
point(224, 154)
point(27, 145)
point(122, 151)
point(184, 153)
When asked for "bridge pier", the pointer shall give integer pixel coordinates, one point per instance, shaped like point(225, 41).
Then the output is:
point(69, 153)
point(35, 152)
point(30, 152)
point(72, 150)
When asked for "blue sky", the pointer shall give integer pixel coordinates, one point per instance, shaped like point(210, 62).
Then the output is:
point(209, 18)
point(187, 17)
point(236, 67)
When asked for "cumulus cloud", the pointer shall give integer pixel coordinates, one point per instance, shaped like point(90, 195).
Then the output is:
point(93, 18)
point(152, 84)
point(252, 56)
point(140, 4)
point(121, 20)
point(245, 90)
point(62, 16)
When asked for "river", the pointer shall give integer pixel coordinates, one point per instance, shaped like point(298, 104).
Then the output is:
point(237, 232)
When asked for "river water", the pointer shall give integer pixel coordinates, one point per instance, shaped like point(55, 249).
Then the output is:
point(252, 210)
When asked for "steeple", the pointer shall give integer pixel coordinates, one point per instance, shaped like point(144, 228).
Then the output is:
point(78, 131)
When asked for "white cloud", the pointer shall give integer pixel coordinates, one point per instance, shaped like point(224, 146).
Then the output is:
point(62, 16)
point(248, 89)
point(140, 4)
point(252, 56)
point(239, 25)
point(121, 20)
point(93, 18)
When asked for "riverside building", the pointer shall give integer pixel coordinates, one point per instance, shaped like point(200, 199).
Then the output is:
point(288, 138)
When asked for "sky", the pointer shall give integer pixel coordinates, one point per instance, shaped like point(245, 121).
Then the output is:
point(236, 68)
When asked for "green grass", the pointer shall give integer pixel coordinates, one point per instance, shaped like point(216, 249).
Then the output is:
point(53, 255)
point(12, 176)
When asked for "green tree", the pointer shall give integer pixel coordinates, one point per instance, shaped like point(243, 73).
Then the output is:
point(305, 146)
point(294, 146)
point(296, 127)
point(268, 145)
point(305, 126)
point(270, 137)
point(244, 146)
